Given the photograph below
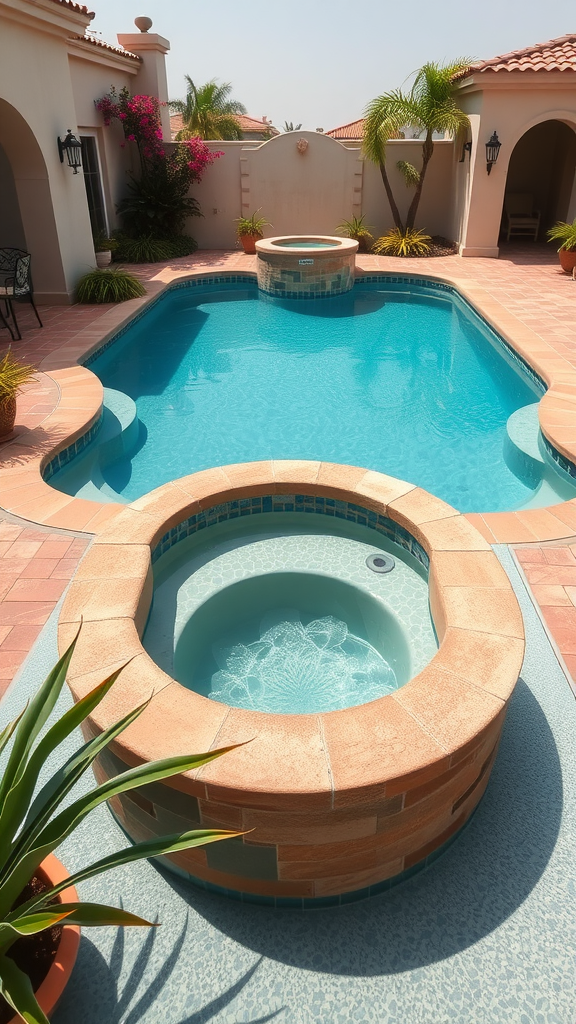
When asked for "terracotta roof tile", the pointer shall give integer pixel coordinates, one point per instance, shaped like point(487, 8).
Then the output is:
point(247, 124)
point(75, 7)
point(554, 55)
point(353, 130)
point(107, 46)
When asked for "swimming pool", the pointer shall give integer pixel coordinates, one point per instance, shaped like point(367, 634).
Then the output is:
point(403, 378)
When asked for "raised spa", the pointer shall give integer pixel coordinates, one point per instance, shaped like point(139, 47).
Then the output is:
point(364, 746)
point(306, 266)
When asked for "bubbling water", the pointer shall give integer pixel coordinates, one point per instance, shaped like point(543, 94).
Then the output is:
point(298, 668)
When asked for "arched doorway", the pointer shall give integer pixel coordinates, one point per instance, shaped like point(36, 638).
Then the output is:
point(542, 167)
point(26, 208)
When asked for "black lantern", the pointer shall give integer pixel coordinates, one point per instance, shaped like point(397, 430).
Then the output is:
point(73, 149)
point(492, 151)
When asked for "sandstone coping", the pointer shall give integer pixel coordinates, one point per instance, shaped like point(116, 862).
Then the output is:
point(340, 801)
point(336, 246)
point(25, 493)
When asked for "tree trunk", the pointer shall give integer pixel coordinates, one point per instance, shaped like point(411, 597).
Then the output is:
point(391, 200)
point(427, 150)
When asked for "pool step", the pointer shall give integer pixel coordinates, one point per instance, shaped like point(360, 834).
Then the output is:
point(120, 428)
point(521, 446)
point(526, 457)
point(117, 437)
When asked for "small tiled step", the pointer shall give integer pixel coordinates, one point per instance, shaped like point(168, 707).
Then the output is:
point(117, 437)
point(525, 456)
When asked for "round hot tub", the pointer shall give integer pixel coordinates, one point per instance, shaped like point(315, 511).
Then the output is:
point(254, 603)
point(306, 266)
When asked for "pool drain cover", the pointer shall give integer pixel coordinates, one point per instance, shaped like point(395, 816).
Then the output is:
point(380, 562)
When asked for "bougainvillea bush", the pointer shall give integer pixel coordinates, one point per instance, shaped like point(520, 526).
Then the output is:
point(157, 203)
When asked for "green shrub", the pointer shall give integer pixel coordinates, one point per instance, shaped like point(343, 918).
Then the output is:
point(109, 286)
point(147, 249)
point(35, 820)
point(158, 204)
point(183, 245)
point(402, 243)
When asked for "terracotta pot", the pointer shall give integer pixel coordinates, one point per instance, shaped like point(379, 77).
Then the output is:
point(103, 259)
point(7, 417)
point(249, 243)
point(567, 260)
point(51, 989)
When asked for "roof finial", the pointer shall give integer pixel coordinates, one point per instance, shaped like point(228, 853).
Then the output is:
point(144, 24)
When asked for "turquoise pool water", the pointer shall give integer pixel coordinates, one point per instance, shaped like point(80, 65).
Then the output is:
point(281, 613)
point(402, 379)
point(306, 245)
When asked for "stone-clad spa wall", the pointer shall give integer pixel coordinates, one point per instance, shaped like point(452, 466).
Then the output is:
point(340, 805)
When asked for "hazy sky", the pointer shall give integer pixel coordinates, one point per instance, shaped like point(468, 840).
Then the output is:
point(320, 61)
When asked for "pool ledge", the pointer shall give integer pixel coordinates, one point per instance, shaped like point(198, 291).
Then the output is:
point(78, 405)
point(346, 799)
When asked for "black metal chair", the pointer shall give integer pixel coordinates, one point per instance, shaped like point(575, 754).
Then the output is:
point(16, 283)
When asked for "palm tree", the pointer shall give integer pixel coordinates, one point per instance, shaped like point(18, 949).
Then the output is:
point(208, 111)
point(429, 106)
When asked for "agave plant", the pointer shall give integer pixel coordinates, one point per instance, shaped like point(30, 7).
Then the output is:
point(402, 243)
point(34, 825)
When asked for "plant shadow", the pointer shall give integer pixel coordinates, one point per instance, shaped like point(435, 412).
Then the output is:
point(99, 991)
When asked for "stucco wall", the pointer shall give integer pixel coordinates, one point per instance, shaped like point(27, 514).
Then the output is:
point(511, 106)
point(37, 106)
point(314, 191)
point(11, 230)
point(89, 83)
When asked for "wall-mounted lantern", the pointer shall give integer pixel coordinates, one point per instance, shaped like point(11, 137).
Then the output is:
point(73, 149)
point(492, 151)
point(466, 148)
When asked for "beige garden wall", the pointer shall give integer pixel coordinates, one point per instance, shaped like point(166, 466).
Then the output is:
point(313, 191)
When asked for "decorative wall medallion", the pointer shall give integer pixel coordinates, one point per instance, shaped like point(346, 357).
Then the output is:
point(302, 146)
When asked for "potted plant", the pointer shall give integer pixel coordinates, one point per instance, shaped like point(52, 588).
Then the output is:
point(249, 230)
point(103, 248)
point(13, 377)
point(357, 229)
point(36, 893)
point(566, 235)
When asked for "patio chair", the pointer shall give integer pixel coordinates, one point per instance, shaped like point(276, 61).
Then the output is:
point(16, 283)
point(520, 217)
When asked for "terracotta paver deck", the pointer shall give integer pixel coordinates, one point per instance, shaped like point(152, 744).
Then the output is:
point(524, 287)
point(550, 570)
point(36, 565)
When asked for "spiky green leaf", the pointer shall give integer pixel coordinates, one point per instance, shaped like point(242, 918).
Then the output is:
point(17, 990)
point(141, 851)
point(18, 799)
point(33, 719)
